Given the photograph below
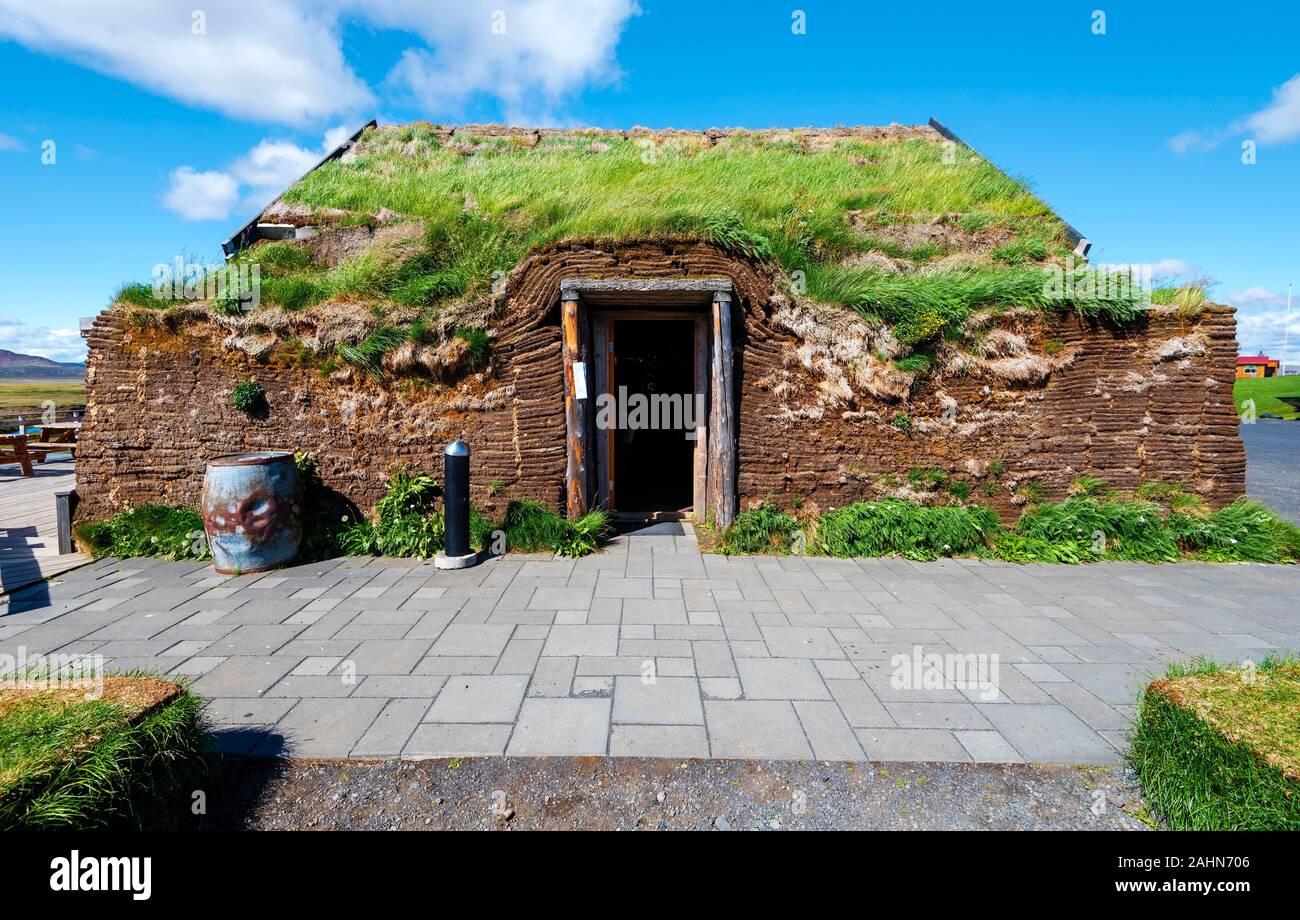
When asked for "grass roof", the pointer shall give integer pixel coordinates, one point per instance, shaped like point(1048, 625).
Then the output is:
point(896, 224)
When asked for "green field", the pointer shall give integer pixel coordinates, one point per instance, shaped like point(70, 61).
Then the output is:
point(1265, 392)
point(21, 392)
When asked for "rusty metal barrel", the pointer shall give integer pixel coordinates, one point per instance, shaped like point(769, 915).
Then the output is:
point(252, 510)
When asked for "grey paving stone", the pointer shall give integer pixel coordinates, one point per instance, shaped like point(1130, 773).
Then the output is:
point(321, 728)
point(604, 666)
point(584, 640)
point(566, 598)
point(388, 735)
point(471, 640)
point(827, 730)
point(936, 715)
point(561, 728)
point(676, 667)
point(455, 740)
point(601, 686)
point(488, 698)
point(455, 665)
point(1111, 683)
point(253, 640)
point(335, 685)
point(1049, 734)
point(912, 744)
point(654, 610)
point(781, 679)
point(317, 666)
point(713, 659)
point(240, 740)
point(836, 670)
point(196, 666)
point(387, 656)
point(246, 710)
point(755, 729)
point(1088, 708)
point(720, 688)
point(801, 642)
point(676, 741)
point(399, 686)
point(616, 586)
point(988, 747)
point(520, 657)
point(244, 675)
point(553, 677)
point(666, 701)
point(1042, 673)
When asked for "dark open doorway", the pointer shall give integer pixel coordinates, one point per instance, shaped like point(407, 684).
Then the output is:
point(654, 380)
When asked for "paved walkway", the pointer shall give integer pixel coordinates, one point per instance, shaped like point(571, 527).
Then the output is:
point(29, 530)
point(652, 649)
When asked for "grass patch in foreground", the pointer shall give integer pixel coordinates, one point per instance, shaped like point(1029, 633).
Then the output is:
point(1219, 749)
point(1265, 391)
point(70, 762)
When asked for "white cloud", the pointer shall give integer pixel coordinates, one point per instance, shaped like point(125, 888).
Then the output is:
point(1257, 296)
point(250, 181)
point(274, 164)
point(273, 60)
point(1262, 325)
point(10, 144)
point(1160, 269)
point(1276, 123)
point(282, 61)
point(1279, 121)
point(55, 344)
point(201, 195)
point(1172, 267)
point(528, 55)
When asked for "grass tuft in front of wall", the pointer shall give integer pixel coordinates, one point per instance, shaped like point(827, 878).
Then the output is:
point(1082, 528)
point(147, 530)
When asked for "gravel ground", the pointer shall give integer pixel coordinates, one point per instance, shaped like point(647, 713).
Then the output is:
point(505, 793)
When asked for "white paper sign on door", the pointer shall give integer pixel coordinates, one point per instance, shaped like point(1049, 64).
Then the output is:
point(579, 380)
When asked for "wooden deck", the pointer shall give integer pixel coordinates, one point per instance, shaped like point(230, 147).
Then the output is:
point(29, 533)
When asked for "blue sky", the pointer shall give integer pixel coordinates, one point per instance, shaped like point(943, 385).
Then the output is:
point(169, 131)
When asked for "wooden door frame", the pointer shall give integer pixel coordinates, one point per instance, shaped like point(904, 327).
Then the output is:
point(587, 306)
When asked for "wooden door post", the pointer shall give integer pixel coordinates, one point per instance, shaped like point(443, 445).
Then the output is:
point(576, 397)
point(722, 424)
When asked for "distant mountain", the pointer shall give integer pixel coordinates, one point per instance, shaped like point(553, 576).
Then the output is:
point(13, 364)
point(14, 359)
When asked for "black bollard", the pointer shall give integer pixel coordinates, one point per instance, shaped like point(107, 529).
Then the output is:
point(455, 491)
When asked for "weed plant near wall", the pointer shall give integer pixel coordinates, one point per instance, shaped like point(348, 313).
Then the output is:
point(147, 530)
point(1083, 528)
